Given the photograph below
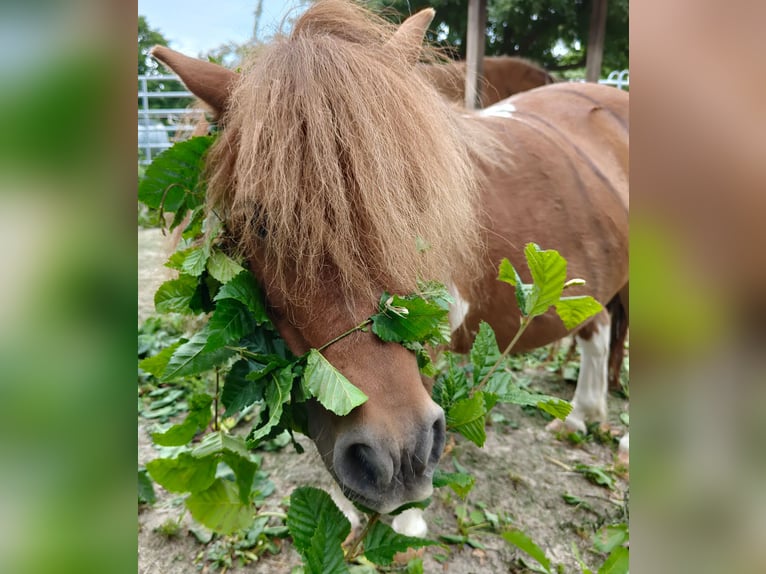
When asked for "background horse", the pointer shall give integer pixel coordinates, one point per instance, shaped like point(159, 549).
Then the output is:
point(334, 159)
point(501, 77)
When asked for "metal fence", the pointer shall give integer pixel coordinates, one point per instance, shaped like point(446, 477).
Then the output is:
point(617, 79)
point(159, 128)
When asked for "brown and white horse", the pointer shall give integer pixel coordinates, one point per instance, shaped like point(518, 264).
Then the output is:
point(501, 77)
point(334, 159)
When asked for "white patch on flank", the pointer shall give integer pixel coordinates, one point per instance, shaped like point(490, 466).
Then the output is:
point(410, 523)
point(346, 506)
point(458, 310)
point(589, 402)
point(500, 110)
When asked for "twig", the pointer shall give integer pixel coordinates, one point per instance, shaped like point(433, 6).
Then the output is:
point(525, 321)
point(558, 463)
point(367, 527)
point(359, 327)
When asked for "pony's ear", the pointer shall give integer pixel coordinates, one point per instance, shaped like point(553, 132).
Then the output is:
point(408, 38)
point(210, 82)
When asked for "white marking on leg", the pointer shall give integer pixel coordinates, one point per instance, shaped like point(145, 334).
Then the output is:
point(499, 110)
point(458, 310)
point(589, 402)
point(411, 523)
point(623, 450)
point(346, 506)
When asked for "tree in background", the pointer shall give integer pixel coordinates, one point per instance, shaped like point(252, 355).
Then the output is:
point(553, 33)
point(148, 37)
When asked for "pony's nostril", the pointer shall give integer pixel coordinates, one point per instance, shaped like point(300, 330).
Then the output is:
point(429, 448)
point(439, 434)
point(362, 467)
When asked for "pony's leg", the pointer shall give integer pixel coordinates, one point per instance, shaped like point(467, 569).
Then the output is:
point(589, 401)
point(347, 507)
point(623, 450)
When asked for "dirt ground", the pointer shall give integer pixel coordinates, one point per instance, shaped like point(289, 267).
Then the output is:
point(521, 473)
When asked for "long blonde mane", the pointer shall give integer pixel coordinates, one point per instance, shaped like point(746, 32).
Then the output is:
point(339, 162)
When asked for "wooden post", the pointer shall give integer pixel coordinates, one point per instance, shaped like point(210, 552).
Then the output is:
point(596, 34)
point(477, 23)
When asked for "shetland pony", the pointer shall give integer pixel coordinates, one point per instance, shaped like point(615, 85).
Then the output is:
point(336, 158)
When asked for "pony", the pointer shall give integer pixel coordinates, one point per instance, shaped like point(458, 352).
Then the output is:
point(336, 160)
point(501, 77)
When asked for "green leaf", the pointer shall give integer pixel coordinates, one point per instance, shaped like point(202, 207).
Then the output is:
point(467, 417)
point(460, 482)
point(382, 543)
point(230, 321)
point(507, 273)
point(222, 267)
point(185, 473)
point(218, 443)
point(610, 537)
point(239, 392)
point(410, 319)
point(276, 394)
point(195, 261)
point(194, 227)
point(175, 295)
point(176, 260)
point(521, 541)
point(559, 408)
point(484, 352)
point(576, 310)
point(549, 271)
point(318, 528)
point(219, 508)
point(193, 357)
point(145, 488)
point(244, 289)
point(171, 180)
point(156, 365)
point(618, 562)
point(596, 475)
point(244, 469)
point(452, 385)
point(328, 385)
point(198, 418)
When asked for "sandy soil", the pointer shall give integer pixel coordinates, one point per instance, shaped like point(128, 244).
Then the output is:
point(522, 472)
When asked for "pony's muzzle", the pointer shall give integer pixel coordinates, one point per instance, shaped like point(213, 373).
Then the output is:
point(384, 473)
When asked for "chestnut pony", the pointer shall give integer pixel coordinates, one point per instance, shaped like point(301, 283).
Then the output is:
point(336, 159)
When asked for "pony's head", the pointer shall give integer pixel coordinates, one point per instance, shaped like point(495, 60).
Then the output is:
point(336, 161)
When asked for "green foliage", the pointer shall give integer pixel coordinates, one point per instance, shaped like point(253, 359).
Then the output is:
point(172, 181)
point(460, 482)
point(318, 528)
point(548, 270)
point(329, 386)
point(382, 543)
point(147, 38)
point(527, 28)
point(197, 419)
point(219, 475)
point(146, 493)
point(524, 543)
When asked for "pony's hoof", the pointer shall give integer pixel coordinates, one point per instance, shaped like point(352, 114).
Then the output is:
point(623, 452)
point(557, 426)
